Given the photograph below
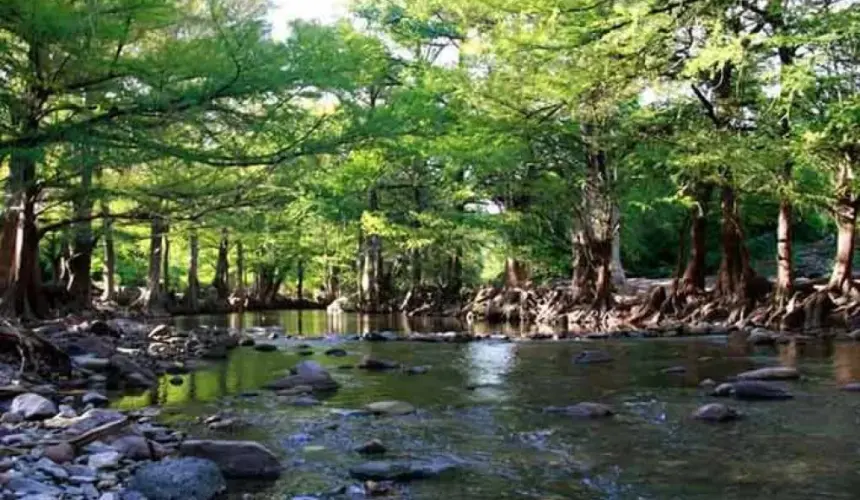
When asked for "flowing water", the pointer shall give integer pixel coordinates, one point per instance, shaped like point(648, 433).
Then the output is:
point(481, 404)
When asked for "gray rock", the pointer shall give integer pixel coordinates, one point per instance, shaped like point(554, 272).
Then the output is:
point(33, 406)
point(178, 479)
point(94, 398)
point(752, 390)
point(336, 352)
point(592, 357)
point(67, 411)
point(417, 370)
point(305, 401)
point(309, 374)
point(235, 459)
point(400, 470)
point(715, 412)
point(134, 374)
point(138, 448)
point(584, 410)
point(26, 486)
point(91, 362)
point(88, 421)
point(851, 387)
point(60, 453)
point(372, 447)
point(771, 373)
point(674, 370)
point(265, 347)
point(762, 336)
point(390, 408)
point(105, 460)
point(50, 468)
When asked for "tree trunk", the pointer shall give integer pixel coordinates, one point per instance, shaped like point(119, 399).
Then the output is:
point(372, 265)
point(166, 258)
point(516, 273)
point(193, 293)
point(222, 266)
point(153, 300)
point(19, 249)
point(240, 273)
point(735, 272)
point(784, 271)
point(845, 212)
point(616, 267)
point(694, 274)
point(300, 279)
point(109, 270)
point(80, 263)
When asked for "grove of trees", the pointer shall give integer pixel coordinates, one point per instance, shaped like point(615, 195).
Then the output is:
point(173, 156)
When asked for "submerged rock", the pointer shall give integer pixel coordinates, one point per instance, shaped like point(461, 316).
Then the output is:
point(265, 347)
point(770, 373)
point(583, 410)
point(400, 470)
point(674, 370)
point(763, 336)
point(32, 406)
point(390, 408)
point(752, 390)
point(308, 374)
point(179, 479)
point(592, 357)
point(336, 352)
point(372, 447)
point(715, 412)
point(851, 387)
point(372, 364)
point(235, 459)
point(417, 370)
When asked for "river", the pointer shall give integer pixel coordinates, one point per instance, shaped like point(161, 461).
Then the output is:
point(482, 403)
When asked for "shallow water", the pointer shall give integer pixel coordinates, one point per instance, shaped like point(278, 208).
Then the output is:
point(509, 448)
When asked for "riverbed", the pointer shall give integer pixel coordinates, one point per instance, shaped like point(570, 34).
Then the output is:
point(481, 405)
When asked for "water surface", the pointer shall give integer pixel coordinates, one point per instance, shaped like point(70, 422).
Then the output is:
point(481, 405)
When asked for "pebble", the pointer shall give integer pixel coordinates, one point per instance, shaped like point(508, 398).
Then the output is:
point(104, 460)
point(94, 398)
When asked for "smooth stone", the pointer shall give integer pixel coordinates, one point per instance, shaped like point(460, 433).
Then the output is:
point(851, 387)
point(181, 478)
point(372, 364)
point(770, 373)
point(11, 418)
point(336, 352)
point(400, 470)
point(715, 412)
point(138, 448)
point(762, 336)
point(60, 453)
point(390, 408)
point(91, 362)
point(67, 411)
point(235, 459)
point(592, 357)
point(33, 406)
point(308, 374)
point(674, 370)
point(91, 419)
point(752, 390)
point(584, 410)
point(417, 370)
point(265, 347)
point(50, 468)
point(105, 460)
point(94, 398)
point(708, 383)
point(372, 447)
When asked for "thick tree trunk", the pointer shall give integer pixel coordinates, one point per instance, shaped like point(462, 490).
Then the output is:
point(166, 258)
point(300, 279)
point(153, 299)
point(616, 267)
point(694, 274)
point(193, 293)
point(222, 266)
point(516, 273)
point(80, 263)
point(109, 269)
point(845, 212)
point(784, 271)
point(372, 265)
point(19, 248)
point(735, 273)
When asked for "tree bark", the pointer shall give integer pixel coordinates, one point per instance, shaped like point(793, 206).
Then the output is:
point(193, 293)
point(222, 266)
point(784, 267)
point(153, 299)
point(300, 279)
point(109, 269)
point(166, 258)
point(694, 274)
point(516, 273)
point(845, 212)
point(372, 265)
point(83, 243)
point(616, 267)
point(735, 273)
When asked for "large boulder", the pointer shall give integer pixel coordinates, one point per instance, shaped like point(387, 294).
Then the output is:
point(236, 459)
point(752, 390)
point(771, 373)
point(308, 374)
point(179, 479)
point(32, 406)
